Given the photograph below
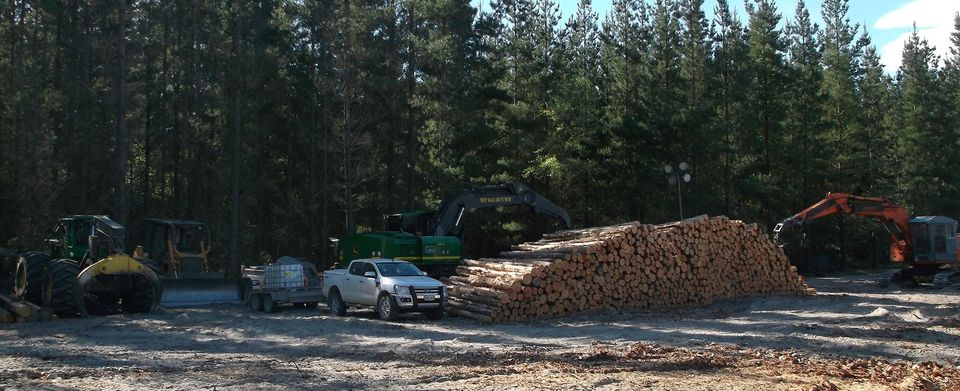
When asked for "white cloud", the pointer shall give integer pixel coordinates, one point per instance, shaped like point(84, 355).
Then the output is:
point(934, 21)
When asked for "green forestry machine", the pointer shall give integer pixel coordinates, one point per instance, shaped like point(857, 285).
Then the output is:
point(431, 240)
point(85, 270)
point(180, 249)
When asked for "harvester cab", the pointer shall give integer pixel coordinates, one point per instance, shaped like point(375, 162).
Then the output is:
point(85, 270)
point(180, 248)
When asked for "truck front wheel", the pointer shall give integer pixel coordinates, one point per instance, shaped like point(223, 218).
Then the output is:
point(337, 307)
point(387, 307)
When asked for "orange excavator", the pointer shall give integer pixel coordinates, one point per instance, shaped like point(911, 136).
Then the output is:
point(927, 247)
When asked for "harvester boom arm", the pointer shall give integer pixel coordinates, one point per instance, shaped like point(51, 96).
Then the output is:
point(893, 217)
point(451, 212)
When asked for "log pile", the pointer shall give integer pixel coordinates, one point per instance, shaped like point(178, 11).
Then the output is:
point(633, 265)
point(13, 310)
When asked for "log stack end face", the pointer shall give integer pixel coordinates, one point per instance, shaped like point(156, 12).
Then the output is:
point(628, 266)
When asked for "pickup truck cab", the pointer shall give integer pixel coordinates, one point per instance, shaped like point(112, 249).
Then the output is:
point(389, 286)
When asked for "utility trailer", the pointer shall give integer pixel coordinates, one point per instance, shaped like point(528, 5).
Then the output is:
point(273, 286)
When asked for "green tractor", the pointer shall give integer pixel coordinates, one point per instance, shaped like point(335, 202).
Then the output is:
point(85, 270)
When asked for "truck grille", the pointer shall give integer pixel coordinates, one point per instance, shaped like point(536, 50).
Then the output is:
point(426, 291)
point(426, 295)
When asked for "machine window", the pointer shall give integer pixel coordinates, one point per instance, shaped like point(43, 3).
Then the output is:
point(940, 238)
point(921, 238)
point(368, 267)
point(356, 268)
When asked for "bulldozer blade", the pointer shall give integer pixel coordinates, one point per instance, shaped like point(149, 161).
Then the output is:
point(186, 292)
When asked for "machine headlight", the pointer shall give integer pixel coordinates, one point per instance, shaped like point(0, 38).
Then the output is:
point(403, 290)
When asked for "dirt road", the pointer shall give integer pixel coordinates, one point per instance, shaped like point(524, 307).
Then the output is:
point(852, 335)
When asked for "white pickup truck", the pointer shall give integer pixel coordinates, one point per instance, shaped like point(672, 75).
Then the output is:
point(390, 286)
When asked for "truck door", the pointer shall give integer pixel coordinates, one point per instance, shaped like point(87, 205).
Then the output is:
point(350, 282)
point(367, 287)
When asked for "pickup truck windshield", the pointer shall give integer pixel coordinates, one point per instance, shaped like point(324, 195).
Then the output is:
point(398, 269)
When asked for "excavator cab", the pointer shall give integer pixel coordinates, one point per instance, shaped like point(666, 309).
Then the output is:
point(934, 239)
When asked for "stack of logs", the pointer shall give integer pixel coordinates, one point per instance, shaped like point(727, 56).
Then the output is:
point(13, 310)
point(691, 262)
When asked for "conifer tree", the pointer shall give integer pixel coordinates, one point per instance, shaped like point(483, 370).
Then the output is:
point(804, 121)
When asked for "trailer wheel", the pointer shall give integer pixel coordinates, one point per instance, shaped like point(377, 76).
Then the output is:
point(256, 302)
point(337, 307)
point(62, 293)
point(268, 304)
point(31, 273)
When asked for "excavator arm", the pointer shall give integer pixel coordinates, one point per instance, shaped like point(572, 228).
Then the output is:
point(451, 212)
point(893, 217)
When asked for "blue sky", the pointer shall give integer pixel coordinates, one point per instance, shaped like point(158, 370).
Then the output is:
point(888, 21)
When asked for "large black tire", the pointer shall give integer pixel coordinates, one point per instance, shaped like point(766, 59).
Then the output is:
point(31, 274)
point(336, 304)
point(140, 299)
point(387, 307)
point(61, 291)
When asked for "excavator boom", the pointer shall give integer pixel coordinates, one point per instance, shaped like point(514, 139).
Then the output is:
point(894, 218)
point(451, 212)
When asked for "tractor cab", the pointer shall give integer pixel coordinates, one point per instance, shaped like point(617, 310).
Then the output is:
point(935, 239)
point(85, 238)
point(180, 247)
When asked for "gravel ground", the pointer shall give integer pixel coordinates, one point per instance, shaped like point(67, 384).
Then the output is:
point(851, 336)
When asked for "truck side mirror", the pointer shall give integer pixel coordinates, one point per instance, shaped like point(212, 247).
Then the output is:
point(370, 274)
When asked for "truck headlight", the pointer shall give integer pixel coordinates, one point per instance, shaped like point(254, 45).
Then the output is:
point(401, 290)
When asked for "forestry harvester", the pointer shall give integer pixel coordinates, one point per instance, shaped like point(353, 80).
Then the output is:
point(926, 247)
point(431, 240)
point(86, 270)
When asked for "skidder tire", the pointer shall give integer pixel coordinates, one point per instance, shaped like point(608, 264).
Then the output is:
point(61, 292)
point(140, 299)
point(30, 276)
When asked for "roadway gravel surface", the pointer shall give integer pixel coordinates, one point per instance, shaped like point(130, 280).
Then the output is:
point(852, 335)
